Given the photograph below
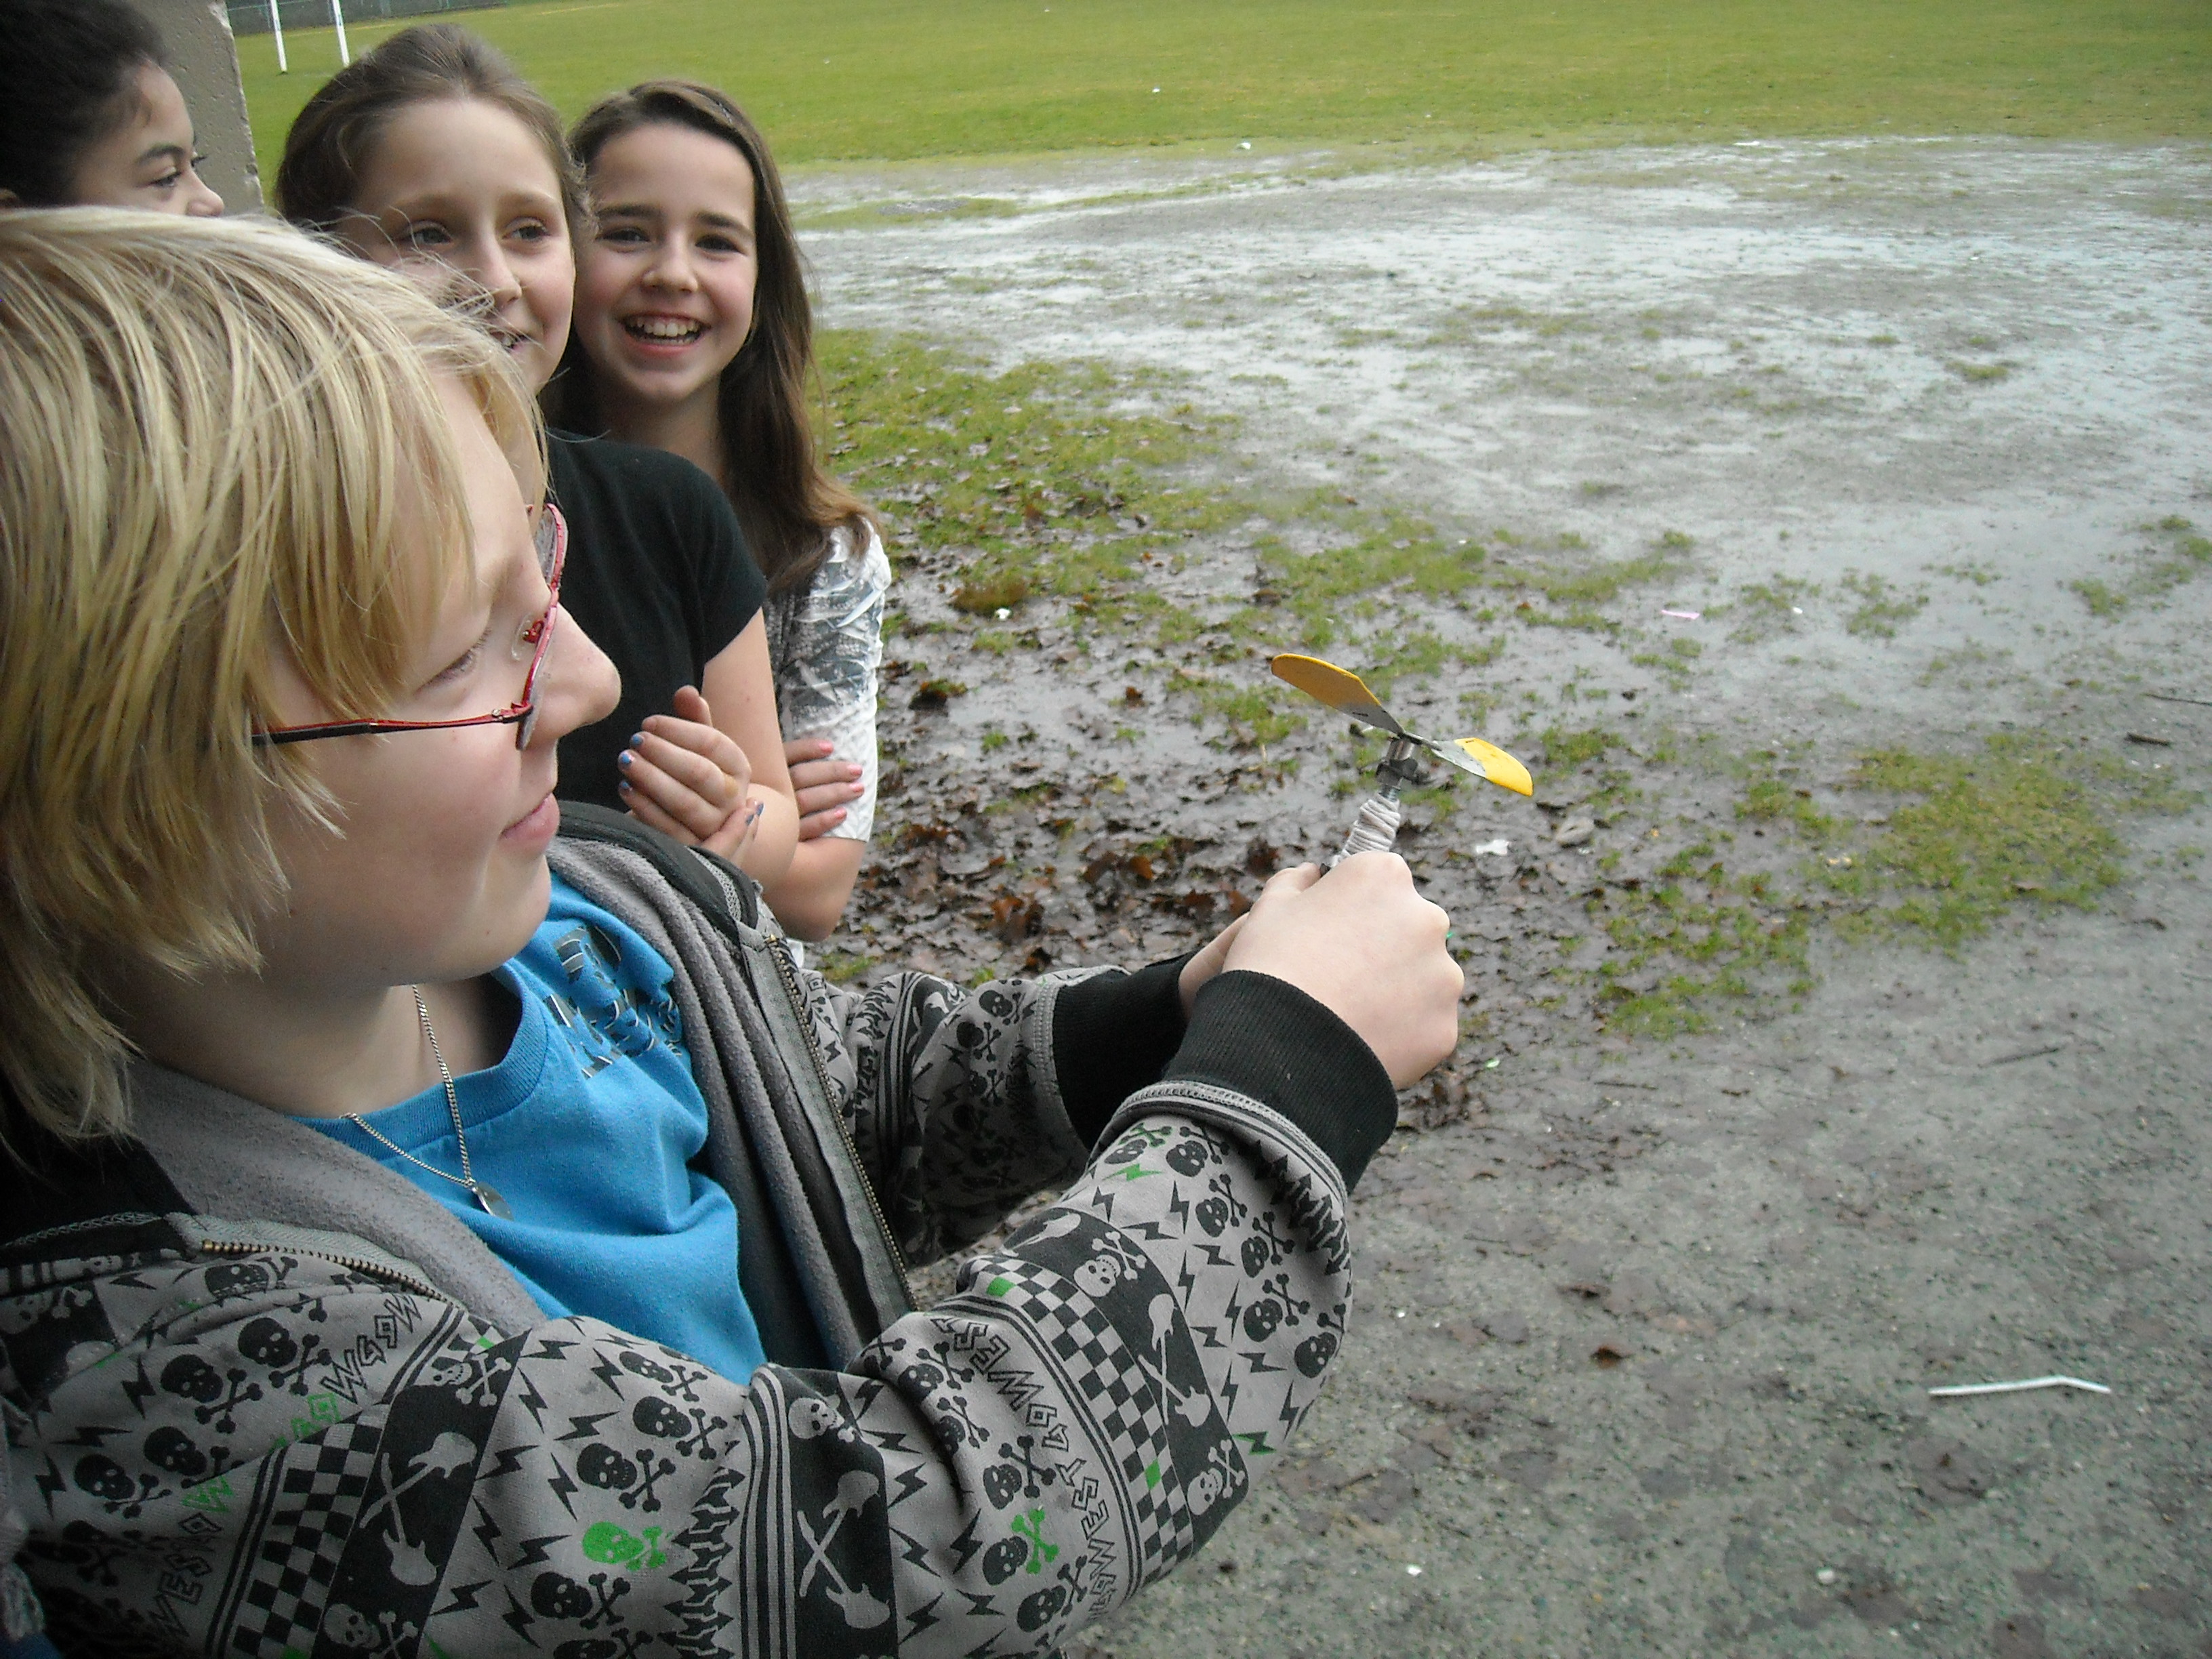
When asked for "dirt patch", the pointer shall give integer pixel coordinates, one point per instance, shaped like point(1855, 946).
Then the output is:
point(1834, 1024)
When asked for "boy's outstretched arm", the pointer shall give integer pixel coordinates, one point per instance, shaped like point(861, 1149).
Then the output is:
point(961, 1104)
point(242, 1448)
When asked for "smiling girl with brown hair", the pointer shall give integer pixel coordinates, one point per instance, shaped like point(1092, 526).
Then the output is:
point(694, 334)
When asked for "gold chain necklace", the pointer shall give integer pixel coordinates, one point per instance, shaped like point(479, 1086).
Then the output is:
point(487, 1196)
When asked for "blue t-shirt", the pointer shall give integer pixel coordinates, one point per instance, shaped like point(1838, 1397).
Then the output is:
point(587, 1128)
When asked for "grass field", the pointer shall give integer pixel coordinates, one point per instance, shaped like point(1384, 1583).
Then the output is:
point(850, 79)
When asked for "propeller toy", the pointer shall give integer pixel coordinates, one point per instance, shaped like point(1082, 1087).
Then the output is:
point(1376, 829)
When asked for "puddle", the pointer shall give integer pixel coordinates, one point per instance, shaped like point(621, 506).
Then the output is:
point(1813, 358)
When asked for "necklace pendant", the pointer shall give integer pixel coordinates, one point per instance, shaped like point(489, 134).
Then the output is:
point(492, 1203)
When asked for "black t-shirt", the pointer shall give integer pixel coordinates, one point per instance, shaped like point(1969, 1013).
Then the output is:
point(658, 574)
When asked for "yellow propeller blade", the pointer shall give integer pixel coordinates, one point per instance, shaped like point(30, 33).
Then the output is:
point(1499, 767)
point(1345, 692)
point(1339, 688)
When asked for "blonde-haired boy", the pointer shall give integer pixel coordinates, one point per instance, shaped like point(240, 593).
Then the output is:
point(438, 1235)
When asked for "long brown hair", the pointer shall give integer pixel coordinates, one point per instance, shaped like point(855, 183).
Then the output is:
point(331, 141)
point(786, 501)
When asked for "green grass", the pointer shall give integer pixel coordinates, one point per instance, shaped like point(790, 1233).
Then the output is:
point(1028, 477)
point(842, 79)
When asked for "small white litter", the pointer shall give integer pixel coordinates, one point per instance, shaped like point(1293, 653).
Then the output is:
point(2017, 1388)
point(1680, 615)
point(1493, 849)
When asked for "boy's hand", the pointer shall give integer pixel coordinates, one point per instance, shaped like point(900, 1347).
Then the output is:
point(1362, 942)
point(823, 786)
point(1207, 964)
point(688, 779)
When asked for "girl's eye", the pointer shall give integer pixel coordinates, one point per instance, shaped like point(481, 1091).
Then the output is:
point(623, 235)
point(425, 235)
point(532, 231)
point(718, 243)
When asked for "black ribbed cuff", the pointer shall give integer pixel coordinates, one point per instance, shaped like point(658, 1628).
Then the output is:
point(1264, 1037)
point(1112, 1035)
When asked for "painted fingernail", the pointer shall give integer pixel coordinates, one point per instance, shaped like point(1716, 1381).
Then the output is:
point(759, 807)
point(636, 739)
point(624, 786)
point(624, 759)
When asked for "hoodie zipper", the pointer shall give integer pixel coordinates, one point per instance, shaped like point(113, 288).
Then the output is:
point(777, 949)
point(375, 1269)
point(782, 956)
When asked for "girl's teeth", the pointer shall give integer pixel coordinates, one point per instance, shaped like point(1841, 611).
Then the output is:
point(663, 328)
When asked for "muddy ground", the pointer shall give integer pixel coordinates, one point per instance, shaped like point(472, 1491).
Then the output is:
point(1647, 1314)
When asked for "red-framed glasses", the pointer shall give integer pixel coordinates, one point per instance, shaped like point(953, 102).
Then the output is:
point(551, 537)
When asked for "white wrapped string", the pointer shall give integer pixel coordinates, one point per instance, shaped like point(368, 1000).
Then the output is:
point(1374, 831)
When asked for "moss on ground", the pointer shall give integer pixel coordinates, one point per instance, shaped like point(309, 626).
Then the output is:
point(1057, 489)
point(1965, 840)
point(1038, 478)
point(1882, 606)
point(2022, 821)
point(1766, 609)
point(1695, 940)
point(2173, 554)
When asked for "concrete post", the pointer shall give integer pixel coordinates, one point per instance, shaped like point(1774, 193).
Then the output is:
point(204, 60)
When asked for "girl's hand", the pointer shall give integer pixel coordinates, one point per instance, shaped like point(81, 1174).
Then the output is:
point(823, 786)
point(687, 778)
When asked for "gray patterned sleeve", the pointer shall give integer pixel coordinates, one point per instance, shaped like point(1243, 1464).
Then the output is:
point(827, 643)
point(276, 1452)
point(952, 1099)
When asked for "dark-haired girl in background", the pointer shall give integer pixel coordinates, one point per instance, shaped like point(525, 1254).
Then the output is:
point(88, 115)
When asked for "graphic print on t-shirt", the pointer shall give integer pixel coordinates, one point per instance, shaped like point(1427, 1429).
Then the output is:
point(601, 1017)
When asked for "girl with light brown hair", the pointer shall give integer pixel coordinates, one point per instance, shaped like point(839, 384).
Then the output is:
point(431, 154)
